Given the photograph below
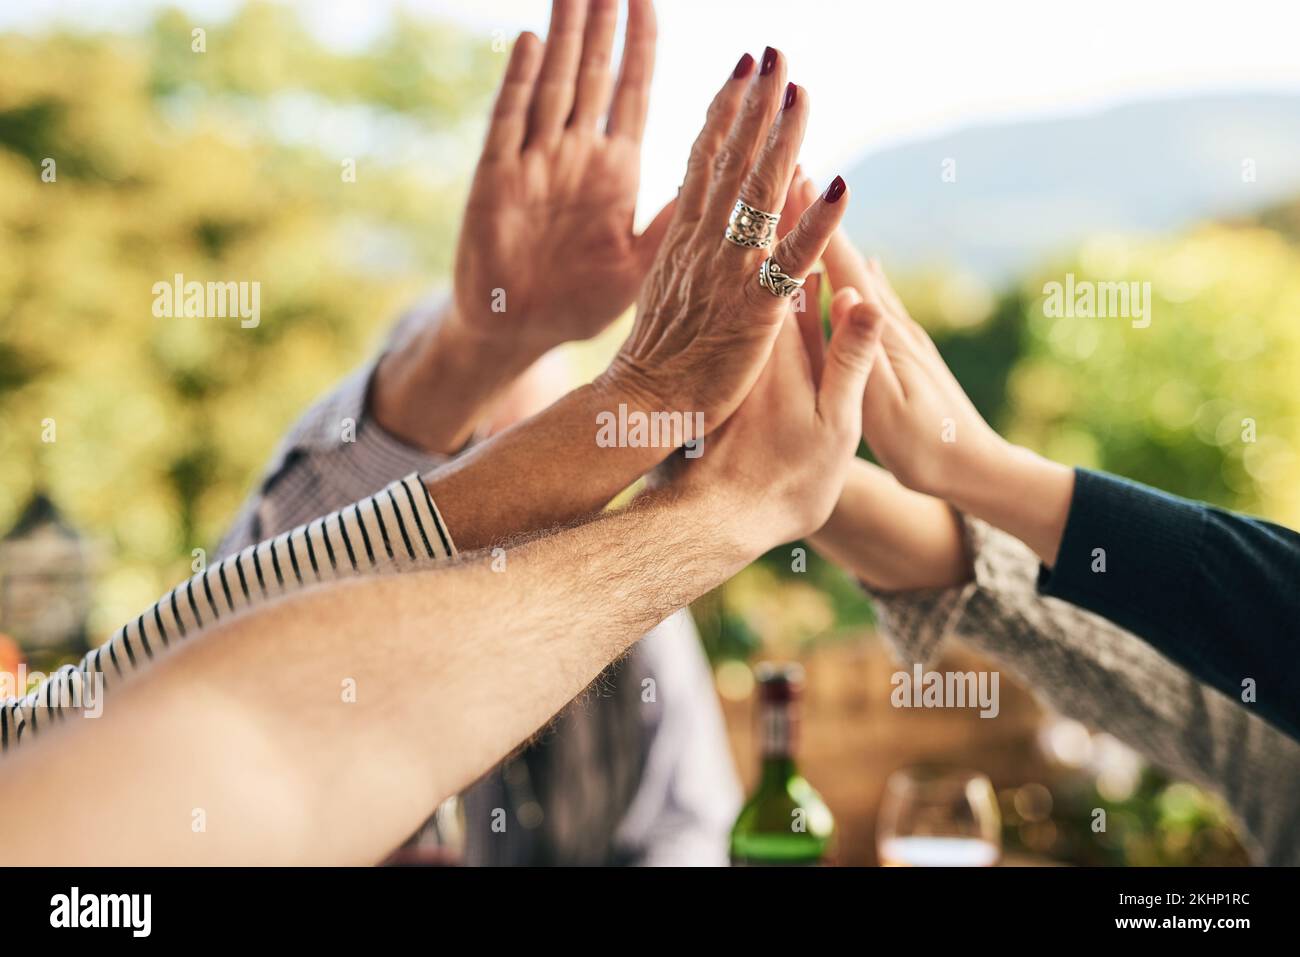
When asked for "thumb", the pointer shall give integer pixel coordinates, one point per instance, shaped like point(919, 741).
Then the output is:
point(647, 244)
point(855, 341)
point(809, 319)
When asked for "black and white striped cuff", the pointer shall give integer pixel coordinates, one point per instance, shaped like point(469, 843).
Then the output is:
point(398, 528)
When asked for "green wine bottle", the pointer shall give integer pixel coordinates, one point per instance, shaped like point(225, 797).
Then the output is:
point(784, 822)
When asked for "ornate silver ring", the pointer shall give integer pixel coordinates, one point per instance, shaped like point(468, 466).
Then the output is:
point(751, 227)
point(775, 281)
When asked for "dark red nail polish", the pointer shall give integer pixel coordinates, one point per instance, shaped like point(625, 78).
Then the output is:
point(769, 61)
point(743, 67)
point(835, 190)
point(791, 94)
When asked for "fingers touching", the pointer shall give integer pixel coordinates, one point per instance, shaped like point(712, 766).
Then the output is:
point(854, 346)
point(844, 264)
point(808, 316)
point(894, 306)
point(803, 246)
point(845, 300)
point(847, 269)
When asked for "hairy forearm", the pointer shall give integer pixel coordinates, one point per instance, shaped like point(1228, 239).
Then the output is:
point(378, 699)
point(545, 472)
point(433, 391)
point(892, 538)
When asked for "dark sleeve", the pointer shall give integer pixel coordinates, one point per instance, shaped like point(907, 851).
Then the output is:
point(1217, 592)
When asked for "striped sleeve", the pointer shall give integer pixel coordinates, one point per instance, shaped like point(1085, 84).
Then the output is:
point(396, 529)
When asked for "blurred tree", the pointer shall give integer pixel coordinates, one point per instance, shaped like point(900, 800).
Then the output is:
point(1202, 402)
point(125, 160)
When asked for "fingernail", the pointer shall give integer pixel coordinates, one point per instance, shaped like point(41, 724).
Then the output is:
point(835, 190)
point(743, 67)
point(769, 61)
point(791, 94)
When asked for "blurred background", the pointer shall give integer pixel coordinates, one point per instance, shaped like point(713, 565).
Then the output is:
point(1006, 146)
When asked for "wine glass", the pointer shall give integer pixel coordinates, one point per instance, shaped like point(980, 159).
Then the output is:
point(939, 817)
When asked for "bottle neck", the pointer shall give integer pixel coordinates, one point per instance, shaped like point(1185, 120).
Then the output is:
point(778, 740)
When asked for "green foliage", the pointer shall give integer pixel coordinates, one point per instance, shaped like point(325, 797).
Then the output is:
point(224, 165)
point(1203, 402)
point(1162, 823)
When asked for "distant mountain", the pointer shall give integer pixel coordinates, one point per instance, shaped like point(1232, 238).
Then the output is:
point(1026, 191)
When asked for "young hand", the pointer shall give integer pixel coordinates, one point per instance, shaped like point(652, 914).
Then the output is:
point(923, 427)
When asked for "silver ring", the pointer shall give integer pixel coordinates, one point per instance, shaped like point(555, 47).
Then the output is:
point(751, 227)
point(778, 283)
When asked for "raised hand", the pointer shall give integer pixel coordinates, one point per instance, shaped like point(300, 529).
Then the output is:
point(547, 251)
point(705, 326)
point(923, 427)
point(784, 455)
point(917, 418)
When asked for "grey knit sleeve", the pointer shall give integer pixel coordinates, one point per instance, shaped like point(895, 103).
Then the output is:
point(1091, 670)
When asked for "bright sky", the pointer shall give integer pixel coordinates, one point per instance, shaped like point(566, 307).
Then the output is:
point(876, 72)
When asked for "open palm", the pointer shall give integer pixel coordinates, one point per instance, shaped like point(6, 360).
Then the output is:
point(547, 252)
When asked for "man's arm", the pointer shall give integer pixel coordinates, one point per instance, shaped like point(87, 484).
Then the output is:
point(416, 684)
point(547, 472)
point(396, 529)
point(450, 669)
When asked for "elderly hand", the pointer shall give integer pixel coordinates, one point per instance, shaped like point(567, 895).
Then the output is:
point(917, 418)
point(704, 325)
point(783, 457)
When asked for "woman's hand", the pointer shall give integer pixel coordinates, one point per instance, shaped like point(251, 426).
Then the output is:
point(704, 325)
point(917, 418)
point(784, 455)
point(546, 252)
point(923, 427)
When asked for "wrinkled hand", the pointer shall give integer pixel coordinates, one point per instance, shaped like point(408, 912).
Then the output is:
point(705, 326)
point(917, 418)
point(547, 253)
point(784, 455)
